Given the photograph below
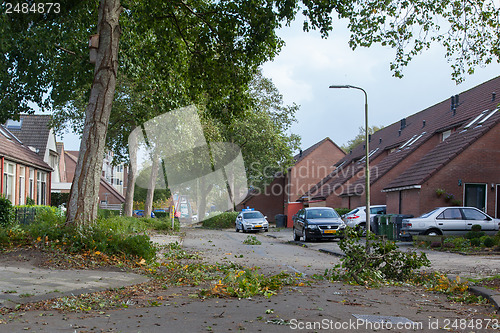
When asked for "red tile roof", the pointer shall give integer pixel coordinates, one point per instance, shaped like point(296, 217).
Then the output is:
point(419, 128)
point(443, 153)
point(15, 151)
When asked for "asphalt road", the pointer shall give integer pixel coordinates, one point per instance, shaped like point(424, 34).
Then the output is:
point(279, 252)
point(321, 307)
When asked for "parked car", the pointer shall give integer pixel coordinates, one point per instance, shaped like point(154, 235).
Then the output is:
point(317, 223)
point(251, 221)
point(449, 221)
point(356, 218)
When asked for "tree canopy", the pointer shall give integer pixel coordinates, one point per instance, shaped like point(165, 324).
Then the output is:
point(359, 138)
point(200, 50)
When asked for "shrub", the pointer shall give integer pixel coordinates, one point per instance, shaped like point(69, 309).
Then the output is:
point(476, 227)
point(458, 242)
point(489, 242)
point(475, 232)
point(161, 215)
point(475, 242)
point(6, 212)
point(342, 211)
point(222, 221)
point(105, 213)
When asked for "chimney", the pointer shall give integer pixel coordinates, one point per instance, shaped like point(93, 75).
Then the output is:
point(380, 141)
point(300, 153)
point(423, 123)
point(399, 133)
point(493, 96)
point(452, 107)
point(369, 138)
point(403, 123)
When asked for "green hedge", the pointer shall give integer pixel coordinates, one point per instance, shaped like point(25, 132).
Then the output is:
point(6, 212)
point(222, 221)
point(343, 211)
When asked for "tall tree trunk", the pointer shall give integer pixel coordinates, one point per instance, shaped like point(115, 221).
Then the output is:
point(84, 194)
point(132, 173)
point(148, 205)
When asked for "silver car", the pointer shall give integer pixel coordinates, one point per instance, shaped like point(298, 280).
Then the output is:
point(449, 221)
point(356, 218)
point(251, 220)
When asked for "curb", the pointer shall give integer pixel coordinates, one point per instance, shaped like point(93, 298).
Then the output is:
point(333, 253)
point(491, 295)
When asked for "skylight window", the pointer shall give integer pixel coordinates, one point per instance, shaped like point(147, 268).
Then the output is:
point(406, 143)
point(414, 140)
point(488, 116)
point(475, 119)
point(5, 133)
point(14, 124)
point(369, 155)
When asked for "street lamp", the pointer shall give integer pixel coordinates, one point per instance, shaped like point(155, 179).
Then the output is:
point(367, 157)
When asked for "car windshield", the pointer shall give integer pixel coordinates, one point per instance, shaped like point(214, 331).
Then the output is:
point(426, 215)
point(321, 214)
point(253, 215)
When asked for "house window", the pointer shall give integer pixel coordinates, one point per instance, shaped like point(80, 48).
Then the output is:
point(53, 160)
point(22, 186)
point(32, 184)
point(8, 181)
point(475, 196)
point(445, 135)
point(41, 187)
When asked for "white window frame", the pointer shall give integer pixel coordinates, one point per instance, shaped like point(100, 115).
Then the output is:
point(22, 185)
point(9, 175)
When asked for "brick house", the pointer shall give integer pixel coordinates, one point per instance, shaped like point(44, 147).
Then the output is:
point(281, 196)
point(35, 132)
point(452, 145)
point(24, 173)
point(108, 193)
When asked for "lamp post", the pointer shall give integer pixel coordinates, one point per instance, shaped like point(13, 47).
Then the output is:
point(367, 157)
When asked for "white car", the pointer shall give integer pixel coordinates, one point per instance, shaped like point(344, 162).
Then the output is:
point(356, 218)
point(249, 220)
point(449, 221)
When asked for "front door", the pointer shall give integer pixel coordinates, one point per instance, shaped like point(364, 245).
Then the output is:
point(475, 196)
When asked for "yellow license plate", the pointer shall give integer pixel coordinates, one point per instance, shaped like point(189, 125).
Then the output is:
point(330, 231)
point(258, 226)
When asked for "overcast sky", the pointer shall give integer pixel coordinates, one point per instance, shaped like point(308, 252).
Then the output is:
point(308, 65)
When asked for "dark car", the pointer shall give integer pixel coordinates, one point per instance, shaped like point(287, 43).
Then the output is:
point(317, 223)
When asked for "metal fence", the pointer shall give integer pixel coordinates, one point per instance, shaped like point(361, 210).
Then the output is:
point(25, 215)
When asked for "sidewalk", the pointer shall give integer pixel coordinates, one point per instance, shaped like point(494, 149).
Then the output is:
point(23, 283)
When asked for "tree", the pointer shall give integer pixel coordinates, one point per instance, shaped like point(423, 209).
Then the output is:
point(360, 137)
point(214, 47)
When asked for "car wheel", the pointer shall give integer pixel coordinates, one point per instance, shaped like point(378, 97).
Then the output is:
point(266, 230)
point(243, 229)
point(295, 237)
point(237, 229)
point(433, 232)
point(306, 239)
